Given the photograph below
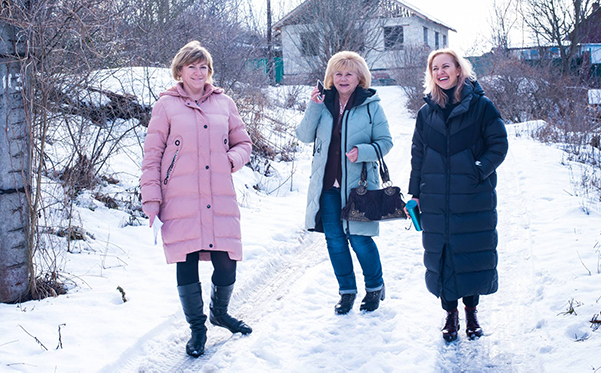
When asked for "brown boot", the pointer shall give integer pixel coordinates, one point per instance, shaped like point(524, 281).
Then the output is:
point(451, 326)
point(473, 329)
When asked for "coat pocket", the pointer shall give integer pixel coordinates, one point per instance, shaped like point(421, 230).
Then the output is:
point(475, 170)
point(317, 146)
point(178, 144)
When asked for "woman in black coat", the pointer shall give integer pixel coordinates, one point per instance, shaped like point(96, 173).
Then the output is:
point(458, 143)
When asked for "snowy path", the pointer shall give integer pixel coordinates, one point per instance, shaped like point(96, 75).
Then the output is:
point(291, 306)
point(509, 314)
point(160, 350)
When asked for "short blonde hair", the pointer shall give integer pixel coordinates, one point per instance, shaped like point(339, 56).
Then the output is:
point(351, 61)
point(191, 53)
point(466, 72)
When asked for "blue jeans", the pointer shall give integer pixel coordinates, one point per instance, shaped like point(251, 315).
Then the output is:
point(338, 248)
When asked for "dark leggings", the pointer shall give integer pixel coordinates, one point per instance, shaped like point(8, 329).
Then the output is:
point(470, 302)
point(224, 269)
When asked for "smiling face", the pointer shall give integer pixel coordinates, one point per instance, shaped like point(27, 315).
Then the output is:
point(194, 76)
point(444, 71)
point(345, 82)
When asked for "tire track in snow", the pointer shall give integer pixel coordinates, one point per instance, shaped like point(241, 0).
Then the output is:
point(163, 348)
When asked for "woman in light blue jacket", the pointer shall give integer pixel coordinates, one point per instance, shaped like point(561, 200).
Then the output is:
point(345, 124)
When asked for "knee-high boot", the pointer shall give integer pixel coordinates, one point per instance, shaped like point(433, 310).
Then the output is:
point(191, 298)
point(220, 299)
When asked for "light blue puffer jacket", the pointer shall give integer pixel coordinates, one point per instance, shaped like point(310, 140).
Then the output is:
point(365, 123)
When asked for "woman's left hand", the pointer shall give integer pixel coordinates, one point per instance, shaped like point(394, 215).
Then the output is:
point(353, 155)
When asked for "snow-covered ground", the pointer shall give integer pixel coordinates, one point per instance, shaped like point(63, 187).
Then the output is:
point(549, 254)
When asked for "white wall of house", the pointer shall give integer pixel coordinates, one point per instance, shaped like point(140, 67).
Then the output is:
point(294, 62)
point(413, 29)
point(380, 59)
point(595, 50)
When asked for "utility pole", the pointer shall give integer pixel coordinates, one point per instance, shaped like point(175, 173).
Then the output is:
point(270, 62)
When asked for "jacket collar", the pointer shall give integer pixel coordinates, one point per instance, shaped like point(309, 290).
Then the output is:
point(179, 91)
point(472, 90)
point(362, 96)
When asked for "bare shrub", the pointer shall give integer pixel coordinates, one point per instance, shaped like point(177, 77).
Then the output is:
point(411, 75)
point(75, 125)
point(524, 92)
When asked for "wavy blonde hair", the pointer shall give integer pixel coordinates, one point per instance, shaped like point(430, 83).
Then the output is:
point(466, 72)
point(350, 61)
point(191, 53)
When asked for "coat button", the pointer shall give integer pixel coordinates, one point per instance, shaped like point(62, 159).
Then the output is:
point(208, 206)
point(207, 167)
point(206, 126)
point(225, 141)
point(176, 142)
point(211, 245)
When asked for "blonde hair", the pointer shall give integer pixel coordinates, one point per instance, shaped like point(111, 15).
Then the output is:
point(191, 53)
point(350, 61)
point(466, 72)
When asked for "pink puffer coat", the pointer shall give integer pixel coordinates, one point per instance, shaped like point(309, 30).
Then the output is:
point(190, 153)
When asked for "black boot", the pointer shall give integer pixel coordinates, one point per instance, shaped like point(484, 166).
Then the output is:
point(191, 298)
point(472, 329)
point(345, 304)
point(220, 299)
point(372, 299)
point(451, 326)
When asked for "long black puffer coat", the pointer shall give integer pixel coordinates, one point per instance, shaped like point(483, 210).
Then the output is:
point(453, 174)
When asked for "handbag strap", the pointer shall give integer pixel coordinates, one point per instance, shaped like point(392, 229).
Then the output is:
point(384, 174)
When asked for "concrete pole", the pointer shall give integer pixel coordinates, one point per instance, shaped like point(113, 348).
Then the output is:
point(14, 172)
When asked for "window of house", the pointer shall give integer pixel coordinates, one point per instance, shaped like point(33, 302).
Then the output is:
point(436, 42)
point(309, 44)
point(393, 38)
point(426, 35)
point(444, 41)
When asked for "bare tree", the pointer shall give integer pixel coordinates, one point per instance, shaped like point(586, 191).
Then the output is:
point(557, 23)
point(64, 43)
point(328, 27)
point(504, 17)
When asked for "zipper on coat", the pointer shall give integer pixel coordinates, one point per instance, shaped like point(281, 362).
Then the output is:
point(448, 211)
point(343, 156)
point(170, 169)
point(448, 184)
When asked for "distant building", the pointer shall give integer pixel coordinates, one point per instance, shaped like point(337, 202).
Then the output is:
point(590, 41)
point(398, 24)
point(589, 45)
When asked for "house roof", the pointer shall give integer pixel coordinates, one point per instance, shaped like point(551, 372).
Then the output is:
point(590, 31)
point(293, 17)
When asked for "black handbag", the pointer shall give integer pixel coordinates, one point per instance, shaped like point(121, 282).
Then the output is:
point(374, 205)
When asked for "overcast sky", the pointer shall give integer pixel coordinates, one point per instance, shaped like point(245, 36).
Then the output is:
point(470, 18)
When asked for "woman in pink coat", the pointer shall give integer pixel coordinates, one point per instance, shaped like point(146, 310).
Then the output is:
point(195, 141)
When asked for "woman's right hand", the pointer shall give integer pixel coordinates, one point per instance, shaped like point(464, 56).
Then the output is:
point(418, 208)
point(151, 209)
point(316, 96)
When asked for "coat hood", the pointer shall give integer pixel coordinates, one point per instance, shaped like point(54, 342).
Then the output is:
point(363, 96)
point(470, 95)
point(470, 89)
